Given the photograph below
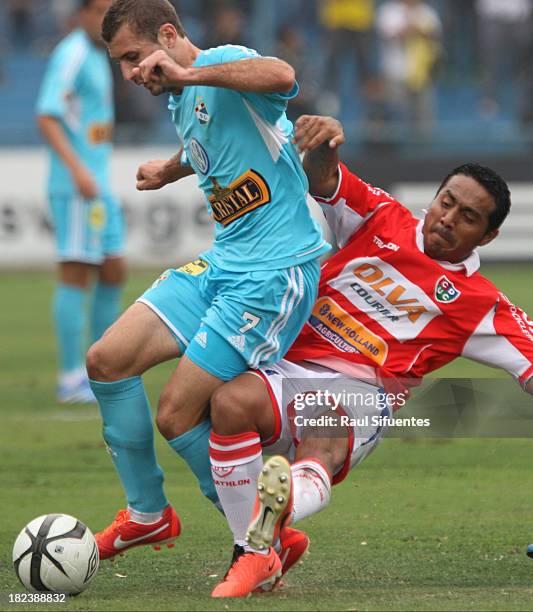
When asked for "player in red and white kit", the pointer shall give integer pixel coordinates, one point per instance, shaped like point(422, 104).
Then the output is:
point(401, 298)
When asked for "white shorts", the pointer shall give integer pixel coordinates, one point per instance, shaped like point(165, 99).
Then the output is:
point(303, 392)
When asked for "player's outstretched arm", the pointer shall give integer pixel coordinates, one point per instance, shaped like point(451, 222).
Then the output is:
point(320, 138)
point(157, 173)
point(258, 74)
point(55, 136)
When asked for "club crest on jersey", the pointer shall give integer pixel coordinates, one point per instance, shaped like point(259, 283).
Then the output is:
point(445, 292)
point(201, 112)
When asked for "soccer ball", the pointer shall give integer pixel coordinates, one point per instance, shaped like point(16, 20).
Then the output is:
point(56, 552)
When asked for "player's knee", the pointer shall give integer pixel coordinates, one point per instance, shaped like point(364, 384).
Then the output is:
point(231, 411)
point(175, 415)
point(113, 271)
point(163, 421)
point(167, 409)
point(101, 363)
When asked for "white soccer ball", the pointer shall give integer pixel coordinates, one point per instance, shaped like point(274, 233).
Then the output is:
point(56, 552)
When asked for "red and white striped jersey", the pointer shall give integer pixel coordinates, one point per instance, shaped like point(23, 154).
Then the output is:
point(383, 302)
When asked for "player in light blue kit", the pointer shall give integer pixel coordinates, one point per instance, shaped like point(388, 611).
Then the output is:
point(75, 116)
point(240, 304)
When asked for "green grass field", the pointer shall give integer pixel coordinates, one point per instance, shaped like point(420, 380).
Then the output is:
point(421, 525)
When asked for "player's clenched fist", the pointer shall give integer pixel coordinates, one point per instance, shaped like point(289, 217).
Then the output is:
point(152, 175)
point(157, 173)
point(313, 130)
point(159, 72)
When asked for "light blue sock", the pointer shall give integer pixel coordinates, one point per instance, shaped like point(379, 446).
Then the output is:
point(70, 321)
point(129, 433)
point(105, 308)
point(193, 448)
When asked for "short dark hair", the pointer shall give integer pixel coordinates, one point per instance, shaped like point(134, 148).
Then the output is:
point(493, 183)
point(144, 17)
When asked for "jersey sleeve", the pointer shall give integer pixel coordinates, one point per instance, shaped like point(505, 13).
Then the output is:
point(270, 106)
point(352, 204)
point(59, 80)
point(504, 339)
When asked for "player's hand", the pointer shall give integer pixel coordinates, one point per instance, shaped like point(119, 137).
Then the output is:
point(85, 183)
point(159, 70)
point(312, 130)
point(153, 175)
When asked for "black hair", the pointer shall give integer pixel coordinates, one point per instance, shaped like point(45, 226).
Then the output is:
point(144, 17)
point(493, 183)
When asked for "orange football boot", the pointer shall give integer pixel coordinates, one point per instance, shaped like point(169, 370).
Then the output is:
point(249, 571)
point(123, 533)
point(294, 544)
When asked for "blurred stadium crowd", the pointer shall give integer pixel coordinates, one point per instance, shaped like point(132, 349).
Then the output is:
point(423, 76)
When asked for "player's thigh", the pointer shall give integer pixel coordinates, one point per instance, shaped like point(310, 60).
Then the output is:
point(137, 341)
point(307, 426)
point(325, 438)
point(178, 298)
point(243, 405)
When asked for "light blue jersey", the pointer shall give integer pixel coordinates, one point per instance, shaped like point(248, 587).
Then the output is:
point(239, 145)
point(77, 89)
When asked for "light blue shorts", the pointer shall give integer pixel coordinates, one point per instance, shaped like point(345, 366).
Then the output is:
point(87, 231)
point(228, 322)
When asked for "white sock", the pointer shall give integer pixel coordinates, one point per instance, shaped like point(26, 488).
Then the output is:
point(311, 488)
point(145, 518)
point(236, 462)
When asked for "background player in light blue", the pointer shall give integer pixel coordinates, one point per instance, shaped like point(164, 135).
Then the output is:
point(75, 116)
point(238, 305)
